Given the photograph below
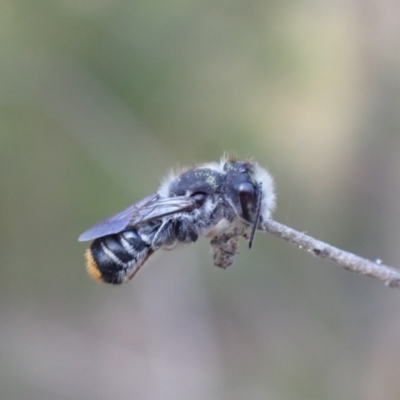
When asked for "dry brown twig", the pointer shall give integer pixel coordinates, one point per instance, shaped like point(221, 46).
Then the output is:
point(349, 261)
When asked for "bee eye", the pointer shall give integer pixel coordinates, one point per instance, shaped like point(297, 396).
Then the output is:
point(247, 196)
point(200, 198)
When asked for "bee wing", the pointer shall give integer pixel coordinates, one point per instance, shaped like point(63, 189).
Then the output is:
point(151, 207)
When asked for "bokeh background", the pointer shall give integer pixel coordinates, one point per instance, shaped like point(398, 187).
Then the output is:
point(100, 98)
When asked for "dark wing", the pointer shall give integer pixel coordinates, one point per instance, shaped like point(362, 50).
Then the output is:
point(151, 207)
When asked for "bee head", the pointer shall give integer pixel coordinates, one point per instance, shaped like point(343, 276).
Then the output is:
point(251, 189)
point(243, 190)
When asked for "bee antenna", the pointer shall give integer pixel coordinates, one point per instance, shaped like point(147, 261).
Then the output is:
point(258, 212)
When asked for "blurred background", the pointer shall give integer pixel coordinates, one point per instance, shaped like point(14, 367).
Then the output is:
point(101, 98)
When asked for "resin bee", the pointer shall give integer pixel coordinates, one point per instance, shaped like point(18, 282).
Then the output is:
point(222, 201)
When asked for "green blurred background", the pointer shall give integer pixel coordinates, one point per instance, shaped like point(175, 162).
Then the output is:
point(100, 98)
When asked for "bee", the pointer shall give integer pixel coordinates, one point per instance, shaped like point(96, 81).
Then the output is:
point(222, 201)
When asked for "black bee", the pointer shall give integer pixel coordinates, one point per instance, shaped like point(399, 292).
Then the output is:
point(221, 201)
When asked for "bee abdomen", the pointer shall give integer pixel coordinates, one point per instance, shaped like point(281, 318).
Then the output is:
point(116, 258)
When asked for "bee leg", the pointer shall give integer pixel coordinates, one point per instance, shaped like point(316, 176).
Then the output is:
point(185, 230)
point(138, 249)
point(165, 236)
point(135, 267)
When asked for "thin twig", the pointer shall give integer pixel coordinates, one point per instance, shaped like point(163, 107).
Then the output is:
point(348, 261)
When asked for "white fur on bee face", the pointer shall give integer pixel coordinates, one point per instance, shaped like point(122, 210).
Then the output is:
point(268, 191)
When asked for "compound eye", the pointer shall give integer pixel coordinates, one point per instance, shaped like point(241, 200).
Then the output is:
point(248, 201)
point(200, 198)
